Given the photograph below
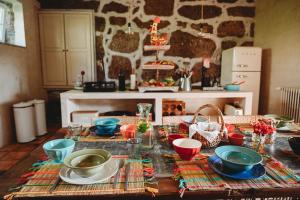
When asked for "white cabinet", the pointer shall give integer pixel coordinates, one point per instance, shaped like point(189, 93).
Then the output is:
point(252, 83)
point(67, 46)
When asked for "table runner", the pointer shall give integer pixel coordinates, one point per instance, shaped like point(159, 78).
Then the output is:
point(95, 138)
point(192, 177)
point(42, 180)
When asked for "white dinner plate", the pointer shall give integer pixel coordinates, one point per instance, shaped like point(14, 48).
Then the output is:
point(108, 170)
point(290, 128)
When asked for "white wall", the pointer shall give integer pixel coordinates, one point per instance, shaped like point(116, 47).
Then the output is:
point(20, 72)
point(277, 31)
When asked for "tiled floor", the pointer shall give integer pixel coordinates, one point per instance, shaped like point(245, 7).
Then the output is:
point(13, 153)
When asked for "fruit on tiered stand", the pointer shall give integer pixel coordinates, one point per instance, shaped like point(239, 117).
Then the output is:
point(155, 83)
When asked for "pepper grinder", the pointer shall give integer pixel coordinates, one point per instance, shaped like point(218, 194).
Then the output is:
point(121, 81)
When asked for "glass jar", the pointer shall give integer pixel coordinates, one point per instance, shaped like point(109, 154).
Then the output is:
point(144, 127)
point(270, 138)
point(261, 144)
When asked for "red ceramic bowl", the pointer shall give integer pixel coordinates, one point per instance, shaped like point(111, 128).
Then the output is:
point(128, 131)
point(236, 139)
point(187, 148)
point(173, 137)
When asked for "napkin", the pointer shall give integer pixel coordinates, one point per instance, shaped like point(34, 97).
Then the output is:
point(209, 130)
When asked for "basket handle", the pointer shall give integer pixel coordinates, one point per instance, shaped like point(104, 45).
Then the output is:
point(214, 108)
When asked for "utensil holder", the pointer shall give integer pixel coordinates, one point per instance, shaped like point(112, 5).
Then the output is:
point(185, 84)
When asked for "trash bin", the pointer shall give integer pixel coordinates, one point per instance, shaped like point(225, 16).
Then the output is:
point(40, 116)
point(24, 121)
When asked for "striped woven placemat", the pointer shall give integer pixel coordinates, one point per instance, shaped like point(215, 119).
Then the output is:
point(40, 183)
point(193, 177)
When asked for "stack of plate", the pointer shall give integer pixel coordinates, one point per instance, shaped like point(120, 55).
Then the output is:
point(237, 162)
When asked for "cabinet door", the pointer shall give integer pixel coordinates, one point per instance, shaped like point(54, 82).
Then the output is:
point(246, 59)
point(252, 83)
point(52, 48)
point(78, 31)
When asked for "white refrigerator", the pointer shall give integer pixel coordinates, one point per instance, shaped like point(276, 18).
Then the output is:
point(243, 64)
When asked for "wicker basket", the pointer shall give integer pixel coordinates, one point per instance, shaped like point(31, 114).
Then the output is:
point(197, 136)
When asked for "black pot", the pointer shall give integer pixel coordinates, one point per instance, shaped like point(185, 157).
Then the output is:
point(295, 144)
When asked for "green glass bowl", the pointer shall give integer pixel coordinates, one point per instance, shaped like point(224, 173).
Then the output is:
point(236, 158)
point(87, 162)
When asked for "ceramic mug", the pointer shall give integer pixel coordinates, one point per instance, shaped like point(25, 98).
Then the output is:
point(58, 149)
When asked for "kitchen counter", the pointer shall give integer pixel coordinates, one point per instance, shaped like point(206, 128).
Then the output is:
point(73, 100)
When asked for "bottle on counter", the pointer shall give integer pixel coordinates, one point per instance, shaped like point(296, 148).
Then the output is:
point(133, 80)
point(122, 81)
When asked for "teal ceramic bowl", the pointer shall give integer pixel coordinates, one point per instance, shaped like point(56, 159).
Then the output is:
point(106, 126)
point(231, 87)
point(87, 162)
point(236, 158)
point(58, 149)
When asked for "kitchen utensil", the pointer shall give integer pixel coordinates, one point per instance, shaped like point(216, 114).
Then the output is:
point(117, 176)
point(236, 158)
point(216, 164)
point(187, 148)
point(55, 184)
point(58, 149)
point(127, 171)
point(186, 86)
point(110, 169)
point(87, 162)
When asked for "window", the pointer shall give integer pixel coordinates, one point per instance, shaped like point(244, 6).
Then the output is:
point(2, 23)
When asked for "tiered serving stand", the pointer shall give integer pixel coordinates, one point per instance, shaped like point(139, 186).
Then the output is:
point(157, 67)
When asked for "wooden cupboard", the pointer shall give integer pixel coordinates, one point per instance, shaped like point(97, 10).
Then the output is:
point(67, 47)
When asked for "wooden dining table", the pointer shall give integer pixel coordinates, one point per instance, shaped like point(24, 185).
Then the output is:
point(167, 186)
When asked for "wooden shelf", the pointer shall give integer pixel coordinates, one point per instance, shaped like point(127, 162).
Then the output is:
point(156, 48)
point(157, 66)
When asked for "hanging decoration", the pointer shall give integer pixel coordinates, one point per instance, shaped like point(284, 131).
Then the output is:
point(156, 38)
point(129, 29)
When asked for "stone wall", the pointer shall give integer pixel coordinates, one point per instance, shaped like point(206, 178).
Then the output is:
point(229, 22)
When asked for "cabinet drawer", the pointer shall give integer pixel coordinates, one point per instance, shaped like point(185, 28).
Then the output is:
point(252, 80)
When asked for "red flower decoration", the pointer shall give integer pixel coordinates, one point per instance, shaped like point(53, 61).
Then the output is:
point(263, 127)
